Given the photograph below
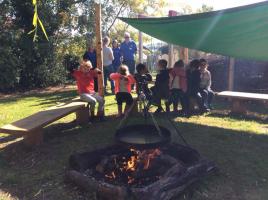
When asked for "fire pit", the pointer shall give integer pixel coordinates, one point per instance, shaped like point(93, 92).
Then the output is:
point(119, 172)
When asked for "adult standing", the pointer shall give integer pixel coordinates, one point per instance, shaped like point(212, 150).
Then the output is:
point(108, 58)
point(91, 55)
point(117, 55)
point(128, 49)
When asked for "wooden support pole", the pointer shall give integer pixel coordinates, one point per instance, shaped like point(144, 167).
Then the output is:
point(140, 43)
point(231, 74)
point(140, 48)
point(99, 51)
point(171, 13)
point(184, 55)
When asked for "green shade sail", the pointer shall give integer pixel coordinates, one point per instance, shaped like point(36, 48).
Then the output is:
point(240, 32)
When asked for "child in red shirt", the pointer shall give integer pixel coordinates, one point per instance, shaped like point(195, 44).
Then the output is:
point(123, 81)
point(84, 77)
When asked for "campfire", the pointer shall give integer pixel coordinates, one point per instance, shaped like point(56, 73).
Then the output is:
point(117, 172)
point(133, 167)
point(143, 165)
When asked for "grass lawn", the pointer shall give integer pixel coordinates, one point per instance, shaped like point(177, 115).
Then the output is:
point(238, 145)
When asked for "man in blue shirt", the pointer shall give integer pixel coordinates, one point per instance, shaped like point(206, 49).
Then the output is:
point(128, 49)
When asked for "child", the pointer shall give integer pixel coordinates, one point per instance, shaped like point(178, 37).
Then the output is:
point(205, 84)
point(193, 83)
point(161, 88)
point(142, 78)
point(178, 86)
point(123, 81)
point(84, 77)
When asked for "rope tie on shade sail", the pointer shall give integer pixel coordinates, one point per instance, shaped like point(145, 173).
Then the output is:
point(36, 21)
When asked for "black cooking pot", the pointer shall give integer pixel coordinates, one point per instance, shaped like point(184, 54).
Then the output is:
point(142, 136)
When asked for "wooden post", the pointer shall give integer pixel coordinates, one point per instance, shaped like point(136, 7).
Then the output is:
point(99, 52)
point(140, 43)
point(183, 53)
point(231, 74)
point(171, 13)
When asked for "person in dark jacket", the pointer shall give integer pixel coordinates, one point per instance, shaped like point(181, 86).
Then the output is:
point(91, 55)
point(161, 88)
point(193, 84)
point(117, 55)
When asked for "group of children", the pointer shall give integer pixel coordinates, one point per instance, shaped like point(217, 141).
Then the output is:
point(172, 85)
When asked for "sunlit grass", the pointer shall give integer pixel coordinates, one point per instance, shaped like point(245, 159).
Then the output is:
point(252, 126)
point(237, 145)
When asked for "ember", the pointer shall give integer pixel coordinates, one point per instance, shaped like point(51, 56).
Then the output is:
point(133, 167)
point(119, 173)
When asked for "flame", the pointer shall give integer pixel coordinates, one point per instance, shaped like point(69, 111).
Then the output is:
point(141, 156)
point(139, 160)
point(131, 163)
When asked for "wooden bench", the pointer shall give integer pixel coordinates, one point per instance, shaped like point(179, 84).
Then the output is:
point(238, 100)
point(31, 127)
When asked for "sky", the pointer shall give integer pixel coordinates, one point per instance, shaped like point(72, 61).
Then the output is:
point(216, 4)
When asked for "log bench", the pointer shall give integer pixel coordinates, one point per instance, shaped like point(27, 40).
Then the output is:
point(239, 100)
point(31, 127)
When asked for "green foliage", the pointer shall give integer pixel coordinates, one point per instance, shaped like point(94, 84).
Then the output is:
point(9, 62)
point(26, 64)
point(205, 8)
point(69, 26)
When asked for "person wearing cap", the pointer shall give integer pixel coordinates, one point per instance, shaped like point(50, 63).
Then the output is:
point(128, 49)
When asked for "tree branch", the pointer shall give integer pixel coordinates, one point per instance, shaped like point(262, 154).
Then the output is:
point(116, 16)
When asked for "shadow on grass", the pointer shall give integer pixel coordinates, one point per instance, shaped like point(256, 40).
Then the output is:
point(46, 98)
point(240, 156)
point(55, 98)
